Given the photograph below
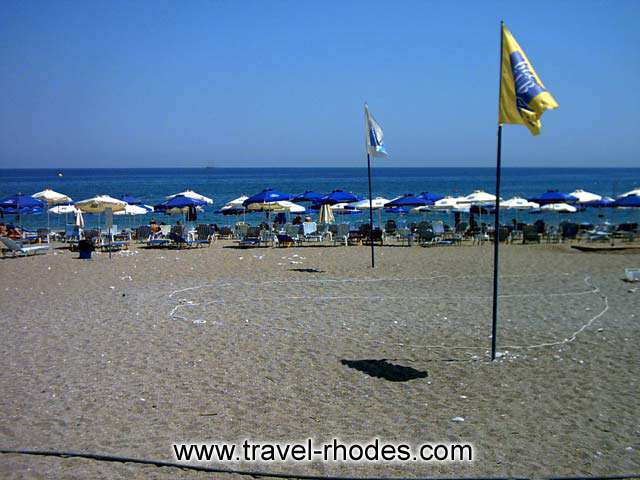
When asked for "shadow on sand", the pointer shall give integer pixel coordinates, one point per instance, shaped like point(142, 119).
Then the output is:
point(384, 369)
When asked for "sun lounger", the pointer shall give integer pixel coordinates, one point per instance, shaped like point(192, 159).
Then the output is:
point(342, 234)
point(310, 231)
point(17, 248)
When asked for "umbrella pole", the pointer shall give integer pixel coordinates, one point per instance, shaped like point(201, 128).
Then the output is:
point(373, 262)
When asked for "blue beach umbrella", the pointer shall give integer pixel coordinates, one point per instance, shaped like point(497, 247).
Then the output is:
point(630, 201)
point(308, 196)
point(19, 204)
point(338, 196)
point(398, 210)
point(604, 202)
point(179, 202)
point(431, 198)
point(267, 195)
point(408, 200)
point(553, 196)
point(130, 199)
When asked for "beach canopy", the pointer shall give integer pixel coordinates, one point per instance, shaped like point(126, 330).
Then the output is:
point(21, 204)
point(431, 198)
point(338, 196)
point(602, 203)
point(193, 195)
point(518, 203)
point(132, 210)
point(585, 197)
point(559, 207)
point(628, 201)
point(553, 196)
point(378, 202)
point(100, 203)
point(635, 191)
point(478, 197)
point(326, 215)
point(63, 209)
point(308, 196)
point(52, 198)
point(267, 195)
point(407, 200)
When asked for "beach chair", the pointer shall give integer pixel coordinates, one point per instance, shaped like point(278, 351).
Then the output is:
point(18, 248)
point(241, 230)
point(143, 233)
point(43, 235)
point(226, 232)
point(530, 234)
point(205, 234)
point(405, 235)
point(342, 234)
point(72, 233)
point(390, 228)
point(252, 238)
point(324, 232)
point(310, 231)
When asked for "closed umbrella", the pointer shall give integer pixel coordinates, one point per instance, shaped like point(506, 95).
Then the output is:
point(79, 219)
point(326, 215)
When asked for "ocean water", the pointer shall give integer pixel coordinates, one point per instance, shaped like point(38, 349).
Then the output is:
point(224, 184)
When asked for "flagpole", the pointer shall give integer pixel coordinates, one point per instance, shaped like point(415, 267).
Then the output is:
point(496, 232)
point(373, 263)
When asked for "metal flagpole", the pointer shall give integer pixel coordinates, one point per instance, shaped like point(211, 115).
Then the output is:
point(373, 263)
point(496, 233)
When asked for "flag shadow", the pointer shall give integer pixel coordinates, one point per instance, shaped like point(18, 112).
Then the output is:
point(383, 369)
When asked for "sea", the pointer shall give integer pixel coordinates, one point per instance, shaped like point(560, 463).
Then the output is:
point(224, 184)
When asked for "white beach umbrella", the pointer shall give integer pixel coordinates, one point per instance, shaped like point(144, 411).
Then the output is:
point(635, 191)
point(63, 209)
point(478, 197)
point(192, 194)
point(100, 203)
point(584, 197)
point(342, 206)
point(237, 202)
point(559, 207)
point(378, 202)
point(518, 203)
point(446, 203)
point(326, 215)
point(51, 197)
point(132, 210)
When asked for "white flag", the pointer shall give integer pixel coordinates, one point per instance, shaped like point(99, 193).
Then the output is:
point(375, 145)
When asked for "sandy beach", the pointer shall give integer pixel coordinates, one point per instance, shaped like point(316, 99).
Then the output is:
point(130, 354)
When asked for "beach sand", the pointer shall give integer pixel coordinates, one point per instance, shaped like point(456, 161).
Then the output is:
point(130, 354)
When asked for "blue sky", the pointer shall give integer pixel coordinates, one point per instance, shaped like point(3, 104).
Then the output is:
point(282, 83)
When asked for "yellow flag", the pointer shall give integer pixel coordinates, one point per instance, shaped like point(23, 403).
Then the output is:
point(523, 98)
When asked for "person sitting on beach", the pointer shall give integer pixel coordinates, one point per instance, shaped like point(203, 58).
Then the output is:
point(307, 219)
point(3, 230)
point(297, 220)
point(155, 228)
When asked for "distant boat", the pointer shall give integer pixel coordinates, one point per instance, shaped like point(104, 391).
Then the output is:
point(60, 174)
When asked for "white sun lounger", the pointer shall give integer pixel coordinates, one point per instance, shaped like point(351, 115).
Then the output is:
point(16, 248)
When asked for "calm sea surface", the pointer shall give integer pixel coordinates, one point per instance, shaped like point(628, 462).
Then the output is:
point(224, 184)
